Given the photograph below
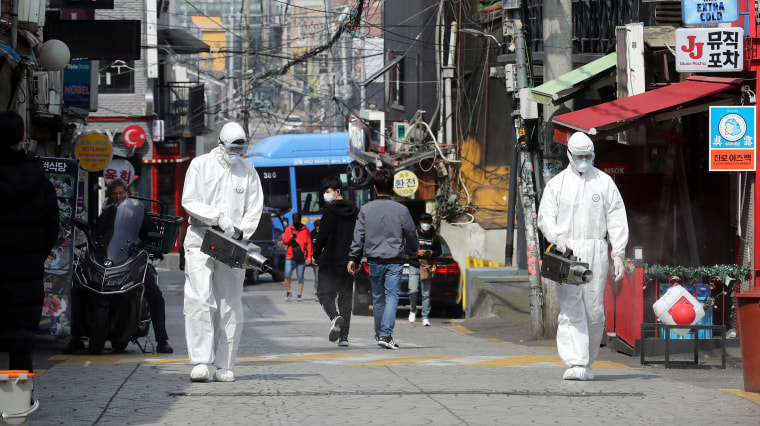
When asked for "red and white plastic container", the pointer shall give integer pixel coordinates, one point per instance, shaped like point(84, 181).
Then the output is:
point(17, 401)
point(670, 305)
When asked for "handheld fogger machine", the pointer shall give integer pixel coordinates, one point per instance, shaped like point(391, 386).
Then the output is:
point(232, 251)
point(564, 268)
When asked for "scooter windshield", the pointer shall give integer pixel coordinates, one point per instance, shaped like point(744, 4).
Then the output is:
point(126, 231)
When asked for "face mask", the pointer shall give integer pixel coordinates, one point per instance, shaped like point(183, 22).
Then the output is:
point(328, 196)
point(425, 226)
point(583, 166)
point(231, 159)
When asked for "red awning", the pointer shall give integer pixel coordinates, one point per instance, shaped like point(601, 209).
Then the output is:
point(666, 102)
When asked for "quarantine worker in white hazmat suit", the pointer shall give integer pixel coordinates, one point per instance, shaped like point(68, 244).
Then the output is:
point(580, 207)
point(223, 190)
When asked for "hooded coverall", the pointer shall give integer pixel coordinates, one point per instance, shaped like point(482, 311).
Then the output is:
point(214, 291)
point(584, 208)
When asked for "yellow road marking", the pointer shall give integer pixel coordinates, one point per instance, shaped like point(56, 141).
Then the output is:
point(535, 359)
point(460, 329)
point(404, 360)
point(309, 357)
point(749, 396)
point(495, 340)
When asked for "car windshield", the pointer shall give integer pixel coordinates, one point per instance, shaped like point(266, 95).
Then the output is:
point(293, 120)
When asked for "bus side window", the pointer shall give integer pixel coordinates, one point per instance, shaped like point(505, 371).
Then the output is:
point(306, 204)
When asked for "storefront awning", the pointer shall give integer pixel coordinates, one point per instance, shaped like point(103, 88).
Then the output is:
point(594, 74)
point(658, 105)
point(181, 41)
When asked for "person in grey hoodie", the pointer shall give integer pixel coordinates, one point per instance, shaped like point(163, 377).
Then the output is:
point(385, 234)
point(330, 252)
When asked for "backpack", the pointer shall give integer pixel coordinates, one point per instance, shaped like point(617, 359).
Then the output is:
point(298, 253)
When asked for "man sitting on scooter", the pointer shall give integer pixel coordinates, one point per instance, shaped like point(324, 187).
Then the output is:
point(116, 192)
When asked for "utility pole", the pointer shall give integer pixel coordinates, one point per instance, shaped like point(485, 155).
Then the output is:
point(558, 60)
point(527, 184)
point(244, 66)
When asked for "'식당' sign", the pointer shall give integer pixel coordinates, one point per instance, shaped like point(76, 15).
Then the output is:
point(701, 12)
point(710, 49)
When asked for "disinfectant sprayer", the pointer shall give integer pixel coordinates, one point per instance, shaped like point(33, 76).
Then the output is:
point(564, 268)
point(233, 252)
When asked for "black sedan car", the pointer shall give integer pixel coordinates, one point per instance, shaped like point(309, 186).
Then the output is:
point(445, 292)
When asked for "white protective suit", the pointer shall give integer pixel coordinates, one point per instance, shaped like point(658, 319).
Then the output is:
point(214, 291)
point(584, 208)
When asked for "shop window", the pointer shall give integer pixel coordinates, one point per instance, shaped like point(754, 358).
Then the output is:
point(117, 77)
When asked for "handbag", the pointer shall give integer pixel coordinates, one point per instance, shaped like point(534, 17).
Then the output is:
point(427, 269)
point(298, 253)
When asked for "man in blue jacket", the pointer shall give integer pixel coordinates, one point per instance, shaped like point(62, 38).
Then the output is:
point(385, 234)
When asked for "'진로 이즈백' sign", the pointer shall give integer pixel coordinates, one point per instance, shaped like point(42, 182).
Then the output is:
point(710, 49)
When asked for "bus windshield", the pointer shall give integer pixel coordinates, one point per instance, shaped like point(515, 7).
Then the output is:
point(291, 168)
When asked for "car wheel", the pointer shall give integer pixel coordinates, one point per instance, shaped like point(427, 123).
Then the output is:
point(251, 276)
point(359, 307)
point(278, 275)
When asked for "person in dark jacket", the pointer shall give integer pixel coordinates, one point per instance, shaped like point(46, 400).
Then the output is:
point(331, 253)
point(314, 264)
point(117, 193)
point(422, 269)
point(30, 222)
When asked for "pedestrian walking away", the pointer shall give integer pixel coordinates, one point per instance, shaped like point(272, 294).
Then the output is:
point(220, 190)
point(385, 235)
point(422, 269)
point(580, 207)
point(297, 238)
point(331, 253)
point(29, 223)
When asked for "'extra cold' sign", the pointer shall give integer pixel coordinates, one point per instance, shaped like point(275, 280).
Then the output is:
point(696, 12)
point(710, 49)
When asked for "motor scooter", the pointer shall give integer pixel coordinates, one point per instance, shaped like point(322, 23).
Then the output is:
point(109, 275)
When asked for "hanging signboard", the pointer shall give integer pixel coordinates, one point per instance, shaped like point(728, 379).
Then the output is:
point(701, 12)
point(405, 183)
point(732, 138)
point(59, 267)
point(121, 169)
point(94, 152)
point(710, 49)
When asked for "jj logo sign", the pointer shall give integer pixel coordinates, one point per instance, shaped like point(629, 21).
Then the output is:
point(710, 49)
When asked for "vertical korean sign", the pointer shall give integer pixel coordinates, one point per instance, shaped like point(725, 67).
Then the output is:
point(732, 138)
point(59, 266)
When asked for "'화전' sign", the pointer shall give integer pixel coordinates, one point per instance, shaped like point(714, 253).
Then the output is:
point(696, 12)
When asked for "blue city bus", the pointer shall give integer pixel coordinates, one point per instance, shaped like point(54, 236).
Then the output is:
point(291, 167)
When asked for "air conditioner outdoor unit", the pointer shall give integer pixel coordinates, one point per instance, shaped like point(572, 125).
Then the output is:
point(41, 89)
point(399, 142)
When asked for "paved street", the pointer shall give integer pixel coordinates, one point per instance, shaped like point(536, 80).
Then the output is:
point(456, 372)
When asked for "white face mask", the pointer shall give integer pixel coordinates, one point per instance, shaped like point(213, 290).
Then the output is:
point(231, 159)
point(425, 226)
point(328, 196)
point(583, 166)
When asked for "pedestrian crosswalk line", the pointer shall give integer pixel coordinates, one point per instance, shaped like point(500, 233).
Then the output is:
point(460, 329)
point(404, 360)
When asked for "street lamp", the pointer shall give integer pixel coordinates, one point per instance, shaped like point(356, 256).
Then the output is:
point(479, 33)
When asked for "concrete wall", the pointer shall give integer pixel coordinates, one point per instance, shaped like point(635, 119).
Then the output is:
point(472, 240)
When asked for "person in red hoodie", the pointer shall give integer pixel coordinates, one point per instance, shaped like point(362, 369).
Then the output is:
point(298, 239)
